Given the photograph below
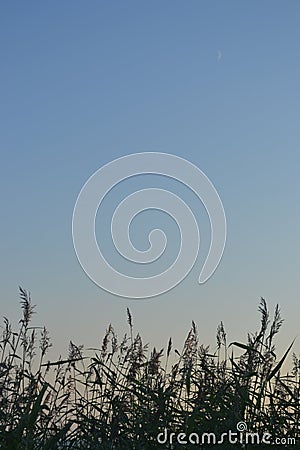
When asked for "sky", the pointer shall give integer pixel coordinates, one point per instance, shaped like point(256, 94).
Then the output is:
point(214, 82)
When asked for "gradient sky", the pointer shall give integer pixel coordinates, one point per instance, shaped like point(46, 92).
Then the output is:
point(83, 83)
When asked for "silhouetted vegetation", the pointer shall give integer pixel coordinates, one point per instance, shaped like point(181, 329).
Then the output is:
point(121, 395)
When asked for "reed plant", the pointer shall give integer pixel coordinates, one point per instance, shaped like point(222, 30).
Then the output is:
point(122, 394)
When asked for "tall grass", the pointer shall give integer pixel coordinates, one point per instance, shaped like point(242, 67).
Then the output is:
point(122, 394)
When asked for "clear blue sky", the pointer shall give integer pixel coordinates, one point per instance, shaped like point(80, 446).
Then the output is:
point(85, 82)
